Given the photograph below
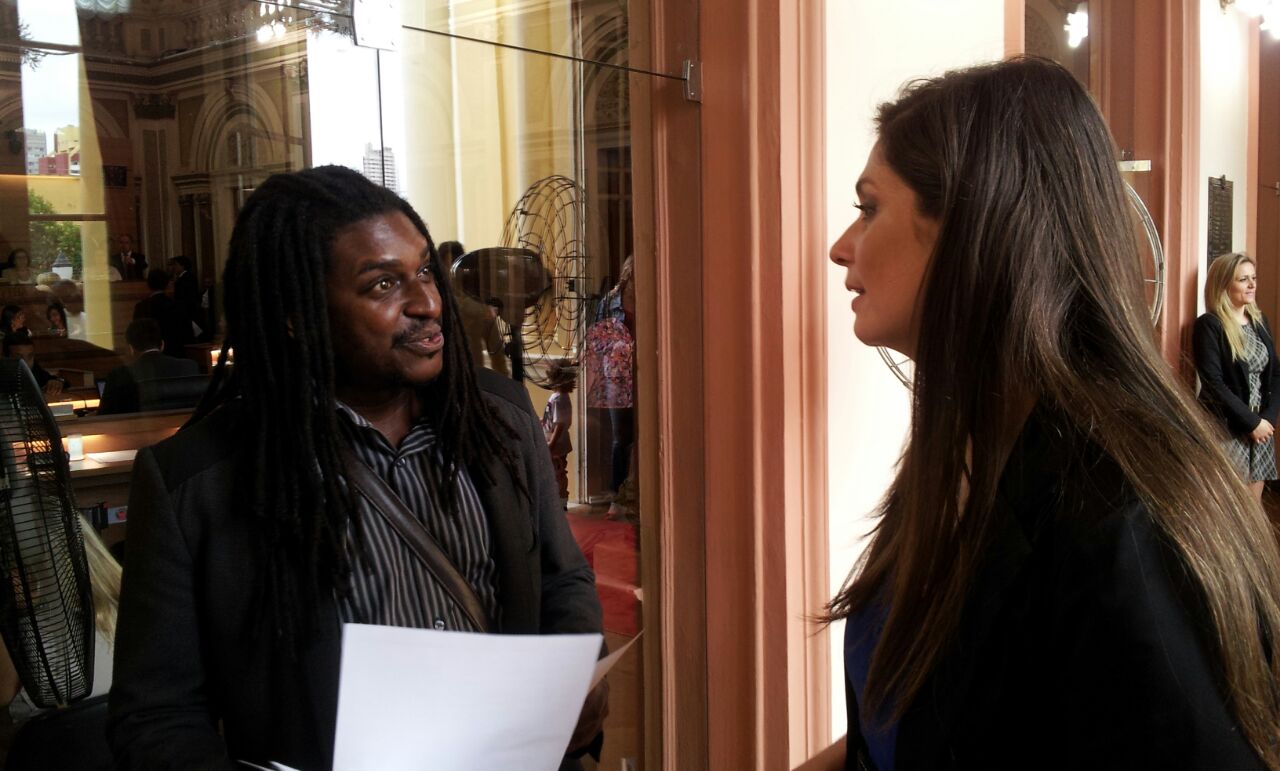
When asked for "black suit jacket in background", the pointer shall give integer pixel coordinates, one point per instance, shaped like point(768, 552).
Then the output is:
point(120, 394)
point(139, 270)
point(1081, 645)
point(175, 327)
point(193, 652)
point(1224, 382)
point(186, 293)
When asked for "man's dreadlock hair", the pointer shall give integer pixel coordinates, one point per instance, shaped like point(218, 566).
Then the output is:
point(277, 330)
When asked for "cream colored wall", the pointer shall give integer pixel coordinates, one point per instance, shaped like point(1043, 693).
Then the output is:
point(484, 122)
point(1224, 122)
point(872, 49)
point(93, 234)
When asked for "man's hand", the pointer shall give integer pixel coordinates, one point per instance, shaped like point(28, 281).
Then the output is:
point(1263, 432)
point(53, 388)
point(591, 720)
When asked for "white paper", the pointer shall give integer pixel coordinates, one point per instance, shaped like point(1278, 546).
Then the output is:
point(605, 664)
point(114, 456)
point(418, 698)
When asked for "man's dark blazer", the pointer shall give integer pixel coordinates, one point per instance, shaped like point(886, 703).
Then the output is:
point(1081, 646)
point(192, 647)
point(139, 270)
point(121, 391)
point(1224, 382)
point(186, 293)
point(175, 327)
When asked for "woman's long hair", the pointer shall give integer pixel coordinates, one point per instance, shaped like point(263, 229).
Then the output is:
point(1034, 291)
point(1222, 271)
point(104, 581)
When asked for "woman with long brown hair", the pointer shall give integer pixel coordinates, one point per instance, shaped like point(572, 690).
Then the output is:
point(1235, 355)
point(1067, 570)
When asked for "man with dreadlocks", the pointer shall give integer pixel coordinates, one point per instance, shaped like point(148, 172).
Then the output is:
point(249, 539)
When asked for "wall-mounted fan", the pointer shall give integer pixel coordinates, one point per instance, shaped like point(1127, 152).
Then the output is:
point(550, 221)
point(46, 605)
point(1153, 278)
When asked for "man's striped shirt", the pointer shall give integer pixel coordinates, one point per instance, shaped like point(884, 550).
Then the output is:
point(390, 585)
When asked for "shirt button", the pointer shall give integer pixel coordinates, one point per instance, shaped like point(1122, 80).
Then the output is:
point(399, 462)
point(439, 625)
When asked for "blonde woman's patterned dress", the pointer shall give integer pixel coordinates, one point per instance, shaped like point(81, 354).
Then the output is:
point(1257, 462)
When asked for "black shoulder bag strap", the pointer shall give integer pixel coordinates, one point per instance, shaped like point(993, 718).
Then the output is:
point(416, 537)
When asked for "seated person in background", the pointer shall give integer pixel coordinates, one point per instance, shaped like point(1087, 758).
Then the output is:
point(18, 270)
point(20, 345)
point(67, 293)
point(12, 319)
point(56, 314)
point(175, 327)
point(149, 363)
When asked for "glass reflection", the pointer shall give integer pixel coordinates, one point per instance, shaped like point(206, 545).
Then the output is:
point(592, 30)
point(132, 135)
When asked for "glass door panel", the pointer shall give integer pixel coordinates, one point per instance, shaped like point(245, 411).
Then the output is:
point(134, 131)
point(591, 30)
point(145, 126)
point(500, 147)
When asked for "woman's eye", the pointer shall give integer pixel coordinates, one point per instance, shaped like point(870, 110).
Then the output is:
point(866, 209)
point(384, 284)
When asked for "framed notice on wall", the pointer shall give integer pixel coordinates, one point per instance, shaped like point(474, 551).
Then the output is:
point(1220, 193)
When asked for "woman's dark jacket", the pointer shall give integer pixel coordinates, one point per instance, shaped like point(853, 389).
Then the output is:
point(1081, 646)
point(1224, 382)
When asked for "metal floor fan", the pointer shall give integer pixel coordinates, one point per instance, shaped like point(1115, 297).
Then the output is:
point(511, 279)
point(46, 605)
point(901, 365)
point(550, 221)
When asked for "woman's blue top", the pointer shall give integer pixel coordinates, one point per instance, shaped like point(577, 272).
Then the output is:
point(861, 632)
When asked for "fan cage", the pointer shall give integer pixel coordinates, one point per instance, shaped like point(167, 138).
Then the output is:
point(550, 220)
point(46, 606)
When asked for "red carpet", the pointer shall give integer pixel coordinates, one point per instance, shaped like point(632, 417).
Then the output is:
point(612, 550)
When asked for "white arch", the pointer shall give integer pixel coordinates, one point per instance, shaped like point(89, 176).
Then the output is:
point(222, 112)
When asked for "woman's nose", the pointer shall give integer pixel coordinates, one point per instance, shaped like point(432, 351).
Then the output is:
point(842, 250)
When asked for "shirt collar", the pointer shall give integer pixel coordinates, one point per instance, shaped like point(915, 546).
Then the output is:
point(421, 436)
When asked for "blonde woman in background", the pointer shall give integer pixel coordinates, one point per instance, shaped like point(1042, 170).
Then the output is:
point(104, 581)
point(1235, 356)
